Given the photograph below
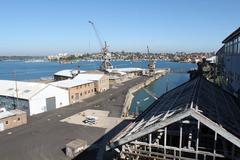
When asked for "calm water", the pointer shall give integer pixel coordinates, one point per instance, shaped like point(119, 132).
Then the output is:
point(30, 71)
point(142, 99)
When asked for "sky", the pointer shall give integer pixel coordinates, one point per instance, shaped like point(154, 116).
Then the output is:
point(47, 27)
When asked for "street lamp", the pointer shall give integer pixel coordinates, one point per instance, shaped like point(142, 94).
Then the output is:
point(137, 112)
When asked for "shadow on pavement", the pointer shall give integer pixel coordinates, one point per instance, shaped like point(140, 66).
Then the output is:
point(98, 149)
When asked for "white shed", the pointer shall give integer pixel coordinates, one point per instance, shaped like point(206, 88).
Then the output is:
point(32, 97)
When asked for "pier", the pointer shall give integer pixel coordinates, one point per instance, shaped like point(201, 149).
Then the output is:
point(132, 90)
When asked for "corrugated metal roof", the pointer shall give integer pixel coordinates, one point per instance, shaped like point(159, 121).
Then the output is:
point(10, 113)
point(232, 35)
point(69, 83)
point(25, 89)
point(198, 95)
point(125, 70)
point(6, 114)
point(68, 73)
point(91, 77)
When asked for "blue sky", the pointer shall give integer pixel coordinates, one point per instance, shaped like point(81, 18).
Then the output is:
point(42, 27)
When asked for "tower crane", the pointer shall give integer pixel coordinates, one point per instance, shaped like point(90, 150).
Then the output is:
point(106, 64)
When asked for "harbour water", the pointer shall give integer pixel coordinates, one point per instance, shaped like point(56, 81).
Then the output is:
point(21, 70)
point(142, 99)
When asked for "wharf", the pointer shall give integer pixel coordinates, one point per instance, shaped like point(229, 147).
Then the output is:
point(45, 136)
point(132, 90)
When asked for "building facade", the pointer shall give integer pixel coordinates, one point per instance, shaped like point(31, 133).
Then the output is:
point(101, 81)
point(32, 97)
point(78, 90)
point(229, 63)
point(102, 84)
point(66, 74)
point(11, 119)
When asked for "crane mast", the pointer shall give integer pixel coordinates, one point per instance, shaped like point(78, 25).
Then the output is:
point(151, 64)
point(104, 49)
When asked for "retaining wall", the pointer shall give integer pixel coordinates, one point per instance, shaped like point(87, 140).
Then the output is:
point(132, 90)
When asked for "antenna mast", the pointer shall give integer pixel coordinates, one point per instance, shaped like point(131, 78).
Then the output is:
point(16, 88)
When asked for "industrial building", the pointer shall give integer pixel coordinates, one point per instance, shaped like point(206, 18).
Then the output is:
point(31, 97)
point(77, 89)
point(197, 120)
point(66, 74)
point(229, 63)
point(12, 118)
point(101, 81)
point(118, 75)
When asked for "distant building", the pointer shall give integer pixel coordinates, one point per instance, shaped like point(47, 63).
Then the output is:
point(125, 73)
point(31, 97)
point(101, 81)
point(11, 119)
point(229, 62)
point(66, 74)
point(78, 89)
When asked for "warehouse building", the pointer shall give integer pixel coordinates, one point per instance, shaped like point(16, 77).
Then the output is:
point(118, 75)
point(101, 81)
point(78, 89)
point(31, 97)
point(195, 121)
point(66, 74)
point(12, 118)
point(128, 72)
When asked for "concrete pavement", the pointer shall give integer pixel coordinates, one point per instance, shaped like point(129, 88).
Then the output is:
point(45, 137)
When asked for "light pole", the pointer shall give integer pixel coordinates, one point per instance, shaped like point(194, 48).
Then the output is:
point(137, 112)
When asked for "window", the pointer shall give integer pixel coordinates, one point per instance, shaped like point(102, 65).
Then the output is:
point(239, 44)
point(225, 48)
point(235, 44)
point(18, 119)
point(231, 48)
point(88, 91)
point(81, 94)
point(76, 96)
point(6, 122)
point(88, 84)
point(72, 96)
point(27, 91)
point(92, 90)
point(85, 92)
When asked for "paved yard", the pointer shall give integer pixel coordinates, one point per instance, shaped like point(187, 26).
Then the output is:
point(44, 137)
point(102, 119)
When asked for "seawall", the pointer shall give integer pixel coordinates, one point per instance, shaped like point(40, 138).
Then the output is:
point(132, 90)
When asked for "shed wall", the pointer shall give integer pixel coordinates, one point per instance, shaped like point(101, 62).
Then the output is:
point(38, 102)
